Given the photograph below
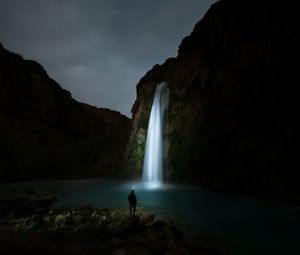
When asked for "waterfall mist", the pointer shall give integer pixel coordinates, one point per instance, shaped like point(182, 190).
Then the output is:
point(154, 151)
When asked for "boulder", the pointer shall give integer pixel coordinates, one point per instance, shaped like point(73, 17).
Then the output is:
point(132, 224)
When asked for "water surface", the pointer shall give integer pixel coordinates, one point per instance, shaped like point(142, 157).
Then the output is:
point(245, 226)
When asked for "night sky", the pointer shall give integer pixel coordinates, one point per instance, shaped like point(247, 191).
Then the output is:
point(96, 49)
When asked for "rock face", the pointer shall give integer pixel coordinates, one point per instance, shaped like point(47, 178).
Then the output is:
point(234, 101)
point(44, 133)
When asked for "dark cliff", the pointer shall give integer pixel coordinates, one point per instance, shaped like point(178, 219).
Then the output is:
point(44, 133)
point(234, 101)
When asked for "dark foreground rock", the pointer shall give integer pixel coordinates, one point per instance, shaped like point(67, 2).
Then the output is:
point(45, 133)
point(36, 228)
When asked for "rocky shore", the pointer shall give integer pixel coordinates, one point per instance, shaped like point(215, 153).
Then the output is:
point(35, 226)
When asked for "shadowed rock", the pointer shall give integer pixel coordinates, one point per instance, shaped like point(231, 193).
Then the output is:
point(45, 133)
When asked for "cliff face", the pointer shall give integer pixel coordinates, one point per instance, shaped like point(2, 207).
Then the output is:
point(44, 133)
point(234, 101)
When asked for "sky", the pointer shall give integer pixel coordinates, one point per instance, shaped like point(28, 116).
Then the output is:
point(98, 49)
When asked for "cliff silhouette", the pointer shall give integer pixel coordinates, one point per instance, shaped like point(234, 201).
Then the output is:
point(45, 133)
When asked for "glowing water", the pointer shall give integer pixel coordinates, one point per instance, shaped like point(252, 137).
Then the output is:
point(154, 152)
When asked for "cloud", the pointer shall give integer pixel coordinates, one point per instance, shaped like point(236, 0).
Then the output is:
point(98, 49)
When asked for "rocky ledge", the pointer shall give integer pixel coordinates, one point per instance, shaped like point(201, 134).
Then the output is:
point(32, 226)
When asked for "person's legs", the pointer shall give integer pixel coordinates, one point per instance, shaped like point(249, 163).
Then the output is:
point(134, 207)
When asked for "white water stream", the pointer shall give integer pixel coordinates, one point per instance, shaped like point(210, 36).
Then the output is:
point(154, 151)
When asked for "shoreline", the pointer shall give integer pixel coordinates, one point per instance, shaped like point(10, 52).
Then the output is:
point(33, 224)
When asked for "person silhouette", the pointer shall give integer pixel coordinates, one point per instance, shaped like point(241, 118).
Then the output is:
point(132, 203)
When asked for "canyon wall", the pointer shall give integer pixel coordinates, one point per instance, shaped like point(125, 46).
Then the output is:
point(233, 118)
point(45, 133)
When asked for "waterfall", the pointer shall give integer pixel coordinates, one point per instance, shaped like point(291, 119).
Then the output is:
point(154, 151)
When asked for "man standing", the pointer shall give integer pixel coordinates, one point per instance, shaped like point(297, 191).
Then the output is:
point(132, 203)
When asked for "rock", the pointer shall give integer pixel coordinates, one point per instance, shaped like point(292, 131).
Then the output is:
point(225, 64)
point(115, 228)
point(139, 251)
point(120, 252)
point(69, 220)
point(95, 214)
point(59, 219)
point(147, 219)
point(78, 219)
point(157, 224)
point(53, 129)
point(37, 219)
point(32, 225)
point(23, 222)
point(51, 212)
point(49, 219)
point(3, 211)
point(172, 232)
point(109, 236)
point(53, 199)
point(132, 224)
point(117, 241)
point(3, 222)
point(80, 228)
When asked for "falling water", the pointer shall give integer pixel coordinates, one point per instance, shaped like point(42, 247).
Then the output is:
point(154, 152)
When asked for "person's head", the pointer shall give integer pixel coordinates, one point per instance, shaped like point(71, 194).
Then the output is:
point(132, 191)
